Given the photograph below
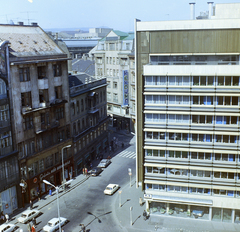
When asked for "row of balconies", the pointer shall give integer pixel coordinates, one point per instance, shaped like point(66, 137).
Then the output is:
point(29, 109)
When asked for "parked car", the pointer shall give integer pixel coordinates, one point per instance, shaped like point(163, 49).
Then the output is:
point(53, 224)
point(95, 171)
point(28, 215)
point(111, 188)
point(197, 213)
point(104, 163)
point(7, 227)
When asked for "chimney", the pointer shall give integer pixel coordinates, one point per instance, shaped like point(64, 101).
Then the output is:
point(20, 23)
point(192, 10)
point(210, 9)
point(34, 24)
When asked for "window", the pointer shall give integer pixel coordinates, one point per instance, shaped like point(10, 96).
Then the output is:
point(57, 70)
point(43, 95)
point(41, 72)
point(24, 74)
point(58, 92)
point(115, 85)
point(59, 113)
point(28, 122)
point(26, 99)
point(77, 107)
point(82, 106)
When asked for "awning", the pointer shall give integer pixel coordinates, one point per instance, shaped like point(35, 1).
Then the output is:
point(192, 201)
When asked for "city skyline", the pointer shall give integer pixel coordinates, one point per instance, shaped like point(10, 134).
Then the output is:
point(86, 14)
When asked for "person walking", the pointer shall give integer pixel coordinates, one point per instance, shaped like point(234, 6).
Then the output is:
point(39, 195)
point(33, 228)
point(144, 215)
point(31, 205)
point(34, 221)
point(29, 227)
point(7, 217)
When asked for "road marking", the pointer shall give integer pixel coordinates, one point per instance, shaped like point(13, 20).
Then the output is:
point(127, 154)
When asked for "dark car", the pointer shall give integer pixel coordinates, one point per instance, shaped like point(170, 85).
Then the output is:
point(95, 171)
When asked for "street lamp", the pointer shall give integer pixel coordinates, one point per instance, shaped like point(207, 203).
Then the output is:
point(47, 182)
point(63, 163)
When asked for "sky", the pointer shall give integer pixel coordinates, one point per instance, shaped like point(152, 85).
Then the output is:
point(116, 14)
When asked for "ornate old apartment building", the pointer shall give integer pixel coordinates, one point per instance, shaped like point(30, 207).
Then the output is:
point(10, 190)
point(188, 121)
point(114, 59)
point(39, 95)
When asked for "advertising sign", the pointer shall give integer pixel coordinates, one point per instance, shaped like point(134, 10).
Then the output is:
point(125, 88)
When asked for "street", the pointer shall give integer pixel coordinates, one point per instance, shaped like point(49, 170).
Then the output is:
point(86, 204)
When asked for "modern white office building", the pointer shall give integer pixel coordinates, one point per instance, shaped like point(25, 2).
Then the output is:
point(114, 59)
point(188, 119)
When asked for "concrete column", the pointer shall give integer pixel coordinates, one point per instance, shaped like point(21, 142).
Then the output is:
point(51, 90)
point(167, 207)
point(233, 215)
point(34, 86)
point(210, 213)
point(65, 90)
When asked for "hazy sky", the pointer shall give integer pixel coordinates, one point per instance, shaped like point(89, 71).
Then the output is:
point(116, 14)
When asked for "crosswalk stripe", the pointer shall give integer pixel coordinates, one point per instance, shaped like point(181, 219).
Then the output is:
point(127, 154)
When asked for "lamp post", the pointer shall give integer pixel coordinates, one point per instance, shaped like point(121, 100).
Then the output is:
point(47, 182)
point(63, 180)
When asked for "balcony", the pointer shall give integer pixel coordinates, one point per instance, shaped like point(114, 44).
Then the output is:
point(45, 127)
point(5, 123)
point(93, 110)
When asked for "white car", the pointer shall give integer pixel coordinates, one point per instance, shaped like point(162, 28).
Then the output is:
point(28, 215)
point(7, 227)
point(53, 224)
point(104, 163)
point(111, 188)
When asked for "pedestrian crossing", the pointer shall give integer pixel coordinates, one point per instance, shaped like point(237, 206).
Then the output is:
point(127, 154)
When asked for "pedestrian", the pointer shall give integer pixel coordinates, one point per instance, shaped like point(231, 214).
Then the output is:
point(90, 165)
point(7, 217)
point(2, 217)
point(122, 145)
point(140, 201)
point(29, 227)
point(144, 215)
point(33, 228)
point(83, 171)
point(39, 195)
point(34, 221)
point(31, 205)
point(83, 228)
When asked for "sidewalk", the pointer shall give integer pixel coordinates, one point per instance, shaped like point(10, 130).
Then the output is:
point(130, 198)
point(47, 199)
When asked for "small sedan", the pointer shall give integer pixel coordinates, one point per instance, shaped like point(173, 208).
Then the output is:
point(7, 228)
point(95, 171)
point(111, 188)
point(104, 163)
point(53, 224)
point(28, 215)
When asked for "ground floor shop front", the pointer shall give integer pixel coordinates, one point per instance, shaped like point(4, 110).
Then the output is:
point(36, 188)
point(193, 210)
point(8, 200)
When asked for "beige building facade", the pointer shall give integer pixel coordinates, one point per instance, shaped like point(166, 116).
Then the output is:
point(187, 73)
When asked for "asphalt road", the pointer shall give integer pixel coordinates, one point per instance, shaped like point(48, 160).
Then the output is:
point(87, 204)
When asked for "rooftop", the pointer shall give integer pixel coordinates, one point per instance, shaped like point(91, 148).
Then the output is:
point(28, 41)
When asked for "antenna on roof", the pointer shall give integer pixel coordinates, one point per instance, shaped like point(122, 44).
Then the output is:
point(28, 15)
